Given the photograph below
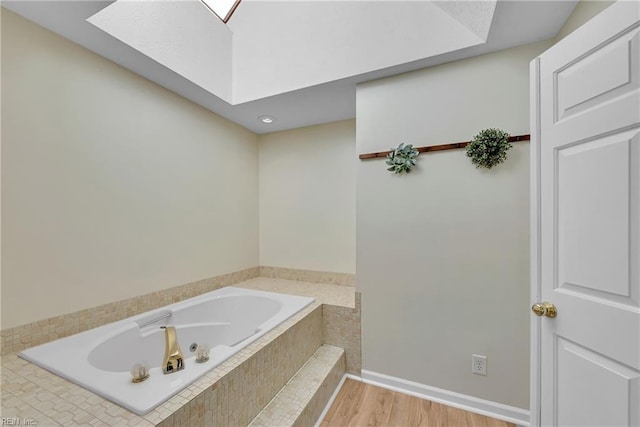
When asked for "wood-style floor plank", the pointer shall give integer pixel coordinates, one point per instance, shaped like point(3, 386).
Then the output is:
point(375, 407)
point(410, 411)
point(359, 404)
point(346, 405)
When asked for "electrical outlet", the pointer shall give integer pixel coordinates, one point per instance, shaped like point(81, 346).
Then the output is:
point(478, 364)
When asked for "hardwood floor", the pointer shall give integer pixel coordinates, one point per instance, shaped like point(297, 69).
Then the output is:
point(360, 404)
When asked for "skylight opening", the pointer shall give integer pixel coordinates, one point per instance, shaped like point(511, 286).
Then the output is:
point(223, 9)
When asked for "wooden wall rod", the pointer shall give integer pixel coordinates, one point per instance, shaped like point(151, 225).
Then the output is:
point(442, 147)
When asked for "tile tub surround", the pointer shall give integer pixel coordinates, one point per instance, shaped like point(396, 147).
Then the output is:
point(341, 328)
point(302, 400)
point(227, 320)
point(231, 394)
point(344, 296)
point(343, 279)
point(21, 337)
point(340, 313)
point(31, 392)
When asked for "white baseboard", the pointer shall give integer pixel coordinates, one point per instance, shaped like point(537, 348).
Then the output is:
point(500, 411)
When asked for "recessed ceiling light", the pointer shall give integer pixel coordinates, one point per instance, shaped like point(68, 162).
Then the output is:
point(267, 119)
point(223, 9)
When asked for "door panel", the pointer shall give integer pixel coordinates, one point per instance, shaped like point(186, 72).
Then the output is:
point(599, 75)
point(593, 193)
point(589, 222)
point(612, 388)
point(588, 89)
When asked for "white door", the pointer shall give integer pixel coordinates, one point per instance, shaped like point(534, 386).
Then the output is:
point(587, 224)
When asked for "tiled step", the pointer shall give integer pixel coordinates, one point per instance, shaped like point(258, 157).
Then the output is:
point(301, 401)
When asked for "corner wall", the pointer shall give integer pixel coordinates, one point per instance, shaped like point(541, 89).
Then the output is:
point(112, 186)
point(307, 198)
point(584, 11)
point(443, 252)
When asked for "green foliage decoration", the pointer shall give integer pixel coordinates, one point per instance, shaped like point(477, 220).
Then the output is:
point(402, 159)
point(489, 148)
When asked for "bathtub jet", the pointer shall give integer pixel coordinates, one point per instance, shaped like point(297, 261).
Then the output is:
point(213, 327)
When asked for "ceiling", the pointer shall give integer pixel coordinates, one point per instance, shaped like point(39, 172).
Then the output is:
point(299, 61)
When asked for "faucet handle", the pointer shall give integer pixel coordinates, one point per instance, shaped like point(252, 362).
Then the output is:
point(139, 372)
point(202, 353)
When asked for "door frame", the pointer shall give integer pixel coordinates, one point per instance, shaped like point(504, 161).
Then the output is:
point(535, 230)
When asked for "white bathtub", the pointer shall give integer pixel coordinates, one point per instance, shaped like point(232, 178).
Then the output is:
point(227, 320)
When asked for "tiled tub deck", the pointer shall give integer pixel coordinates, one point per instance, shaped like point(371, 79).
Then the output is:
point(232, 394)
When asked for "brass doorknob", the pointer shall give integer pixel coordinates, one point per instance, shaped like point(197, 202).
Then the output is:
point(544, 308)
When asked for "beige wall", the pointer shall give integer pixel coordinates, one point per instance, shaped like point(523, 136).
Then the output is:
point(111, 186)
point(114, 187)
point(443, 253)
point(307, 198)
